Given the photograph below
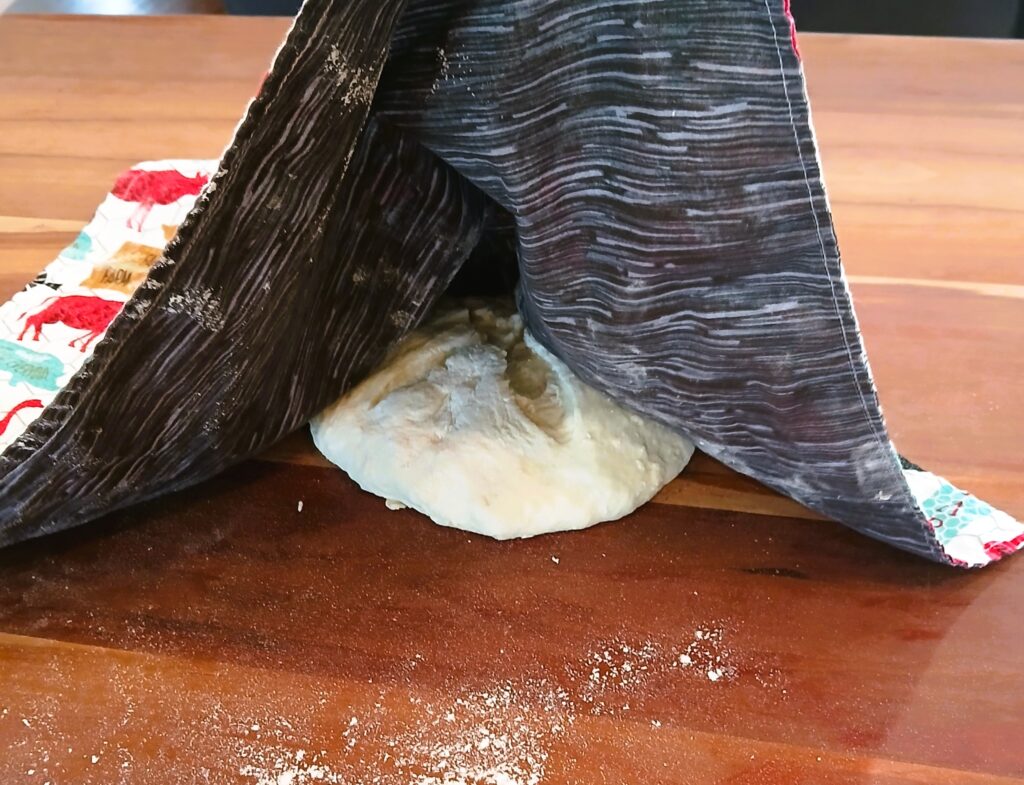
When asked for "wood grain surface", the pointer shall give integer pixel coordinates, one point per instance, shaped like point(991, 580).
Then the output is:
point(225, 636)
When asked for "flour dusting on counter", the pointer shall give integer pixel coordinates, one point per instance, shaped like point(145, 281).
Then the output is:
point(502, 733)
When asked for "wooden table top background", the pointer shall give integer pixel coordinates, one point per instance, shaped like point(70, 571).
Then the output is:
point(718, 636)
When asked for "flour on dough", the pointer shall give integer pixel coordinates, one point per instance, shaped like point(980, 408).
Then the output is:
point(472, 422)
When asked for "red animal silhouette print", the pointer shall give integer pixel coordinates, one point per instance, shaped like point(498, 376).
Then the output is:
point(997, 550)
point(150, 188)
point(35, 403)
point(79, 312)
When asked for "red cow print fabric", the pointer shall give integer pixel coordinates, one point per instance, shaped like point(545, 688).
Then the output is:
point(49, 328)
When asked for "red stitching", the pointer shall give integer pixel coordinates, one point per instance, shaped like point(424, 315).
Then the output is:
point(792, 27)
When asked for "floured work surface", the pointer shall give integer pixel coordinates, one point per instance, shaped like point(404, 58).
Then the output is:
point(231, 636)
point(220, 636)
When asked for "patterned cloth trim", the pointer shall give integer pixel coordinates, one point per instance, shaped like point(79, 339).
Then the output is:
point(971, 532)
point(49, 329)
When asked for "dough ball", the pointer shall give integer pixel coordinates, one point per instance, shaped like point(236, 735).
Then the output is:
point(473, 423)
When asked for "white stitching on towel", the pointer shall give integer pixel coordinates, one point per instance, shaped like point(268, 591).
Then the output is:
point(885, 444)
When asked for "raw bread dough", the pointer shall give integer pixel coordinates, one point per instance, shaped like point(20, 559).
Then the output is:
point(473, 423)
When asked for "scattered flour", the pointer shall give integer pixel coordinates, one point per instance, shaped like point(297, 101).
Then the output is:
point(497, 736)
point(502, 734)
point(203, 305)
point(707, 654)
point(359, 84)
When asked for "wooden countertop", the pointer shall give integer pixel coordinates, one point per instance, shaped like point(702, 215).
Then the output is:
point(718, 636)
